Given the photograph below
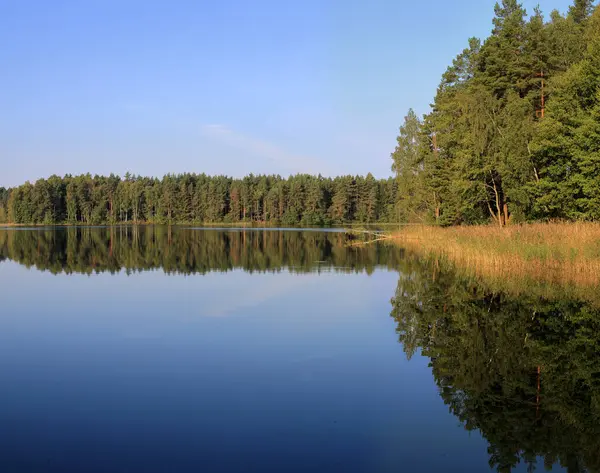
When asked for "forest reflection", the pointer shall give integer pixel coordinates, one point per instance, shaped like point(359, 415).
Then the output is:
point(524, 371)
point(189, 251)
point(521, 369)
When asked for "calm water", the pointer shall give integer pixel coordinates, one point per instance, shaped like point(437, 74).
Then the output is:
point(180, 350)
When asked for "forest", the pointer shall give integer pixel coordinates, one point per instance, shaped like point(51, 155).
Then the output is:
point(191, 198)
point(512, 135)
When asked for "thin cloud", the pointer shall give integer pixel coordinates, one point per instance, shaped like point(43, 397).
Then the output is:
point(293, 163)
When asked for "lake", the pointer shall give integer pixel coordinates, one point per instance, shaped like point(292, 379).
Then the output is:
point(159, 349)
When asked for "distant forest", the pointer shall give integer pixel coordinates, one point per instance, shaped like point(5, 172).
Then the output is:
point(191, 198)
point(513, 135)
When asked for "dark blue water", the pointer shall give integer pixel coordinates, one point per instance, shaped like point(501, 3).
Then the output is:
point(271, 358)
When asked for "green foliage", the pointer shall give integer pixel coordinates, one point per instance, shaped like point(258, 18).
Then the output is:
point(581, 10)
point(567, 148)
point(514, 129)
point(408, 166)
point(4, 195)
point(190, 198)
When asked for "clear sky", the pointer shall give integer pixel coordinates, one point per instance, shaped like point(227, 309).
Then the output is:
point(221, 87)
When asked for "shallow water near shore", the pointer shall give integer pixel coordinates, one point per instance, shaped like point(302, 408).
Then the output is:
point(162, 349)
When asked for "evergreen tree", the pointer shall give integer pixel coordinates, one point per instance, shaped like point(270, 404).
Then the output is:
point(189, 198)
point(512, 133)
point(581, 10)
point(4, 205)
point(407, 164)
point(567, 149)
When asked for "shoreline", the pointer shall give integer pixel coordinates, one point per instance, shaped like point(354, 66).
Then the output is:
point(194, 224)
point(549, 256)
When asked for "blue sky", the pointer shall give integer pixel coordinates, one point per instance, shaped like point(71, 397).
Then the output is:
point(222, 87)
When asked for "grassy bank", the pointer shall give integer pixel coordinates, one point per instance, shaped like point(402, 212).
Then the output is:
point(549, 257)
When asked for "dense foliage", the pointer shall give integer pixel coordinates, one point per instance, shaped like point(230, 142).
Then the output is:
point(514, 130)
point(3, 204)
point(192, 198)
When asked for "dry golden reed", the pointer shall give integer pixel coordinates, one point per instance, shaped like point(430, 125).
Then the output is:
point(556, 256)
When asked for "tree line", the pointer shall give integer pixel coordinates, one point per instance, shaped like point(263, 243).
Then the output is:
point(513, 133)
point(197, 198)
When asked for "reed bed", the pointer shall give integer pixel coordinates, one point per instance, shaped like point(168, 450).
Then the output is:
point(543, 255)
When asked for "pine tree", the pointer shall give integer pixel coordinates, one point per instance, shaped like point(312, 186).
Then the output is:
point(567, 150)
point(501, 65)
point(407, 165)
point(581, 10)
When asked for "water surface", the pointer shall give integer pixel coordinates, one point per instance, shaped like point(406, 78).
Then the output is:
point(161, 349)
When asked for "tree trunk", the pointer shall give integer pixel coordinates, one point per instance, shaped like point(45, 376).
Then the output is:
point(539, 385)
point(499, 218)
point(437, 207)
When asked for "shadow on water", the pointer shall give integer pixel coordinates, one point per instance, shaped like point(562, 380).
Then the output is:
point(522, 370)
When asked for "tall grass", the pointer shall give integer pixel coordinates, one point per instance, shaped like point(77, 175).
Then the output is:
point(543, 255)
